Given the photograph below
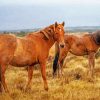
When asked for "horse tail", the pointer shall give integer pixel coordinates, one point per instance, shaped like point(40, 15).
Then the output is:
point(56, 58)
point(0, 81)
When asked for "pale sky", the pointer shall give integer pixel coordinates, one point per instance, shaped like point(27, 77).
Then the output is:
point(47, 2)
point(27, 14)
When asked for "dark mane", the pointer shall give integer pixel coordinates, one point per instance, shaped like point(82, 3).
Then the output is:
point(48, 32)
point(48, 29)
point(96, 37)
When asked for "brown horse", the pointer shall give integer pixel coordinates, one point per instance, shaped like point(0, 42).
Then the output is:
point(88, 44)
point(29, 50)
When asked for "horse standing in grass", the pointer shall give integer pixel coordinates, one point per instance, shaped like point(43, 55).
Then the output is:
point(29, 50)
point(88, 44)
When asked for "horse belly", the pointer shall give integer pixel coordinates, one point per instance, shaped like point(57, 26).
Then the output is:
point(78, 49)
point(22, 60)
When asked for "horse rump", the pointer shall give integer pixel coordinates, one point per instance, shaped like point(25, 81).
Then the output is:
point(96, 37)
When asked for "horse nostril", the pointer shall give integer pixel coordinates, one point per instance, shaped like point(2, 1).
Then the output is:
point(61, 45)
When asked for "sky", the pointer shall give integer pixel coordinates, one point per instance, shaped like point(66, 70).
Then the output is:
point(30, 14)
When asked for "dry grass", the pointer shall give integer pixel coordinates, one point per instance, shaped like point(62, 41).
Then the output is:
point(73, 85)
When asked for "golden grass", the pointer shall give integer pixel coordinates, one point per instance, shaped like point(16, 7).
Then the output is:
point(74, 85)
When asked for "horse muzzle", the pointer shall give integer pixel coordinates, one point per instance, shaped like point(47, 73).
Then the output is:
point(61, 45)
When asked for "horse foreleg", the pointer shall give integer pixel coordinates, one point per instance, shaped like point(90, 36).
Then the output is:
point(0, 81)
point(43, 71)
point(30, 73)
point(58, 73)
point(61, 61)
point(61, 65)
point(91, 64)
point(3, 69)
point(60, 69)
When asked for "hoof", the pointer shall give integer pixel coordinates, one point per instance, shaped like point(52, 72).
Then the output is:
point(91, 80)
point(0, 90)
point(27, 89)
point(6, 90)
point(46, 88)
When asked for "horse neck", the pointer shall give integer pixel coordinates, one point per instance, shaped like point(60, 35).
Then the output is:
point(50, 42)
point(69, 39)
point(50, 32)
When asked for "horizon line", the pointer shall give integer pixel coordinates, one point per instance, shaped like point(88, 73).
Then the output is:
point(44, 27)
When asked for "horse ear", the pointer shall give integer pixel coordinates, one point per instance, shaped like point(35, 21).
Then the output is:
point(56, 24)
point(63, 23)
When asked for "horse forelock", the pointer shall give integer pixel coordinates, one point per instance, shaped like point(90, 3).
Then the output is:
point(96, 37)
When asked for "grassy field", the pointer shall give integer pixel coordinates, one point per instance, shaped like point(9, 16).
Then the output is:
point(74, 85)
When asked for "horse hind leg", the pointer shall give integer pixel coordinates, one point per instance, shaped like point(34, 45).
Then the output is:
point(2, 74)
point(30, 73)
point(91, 64)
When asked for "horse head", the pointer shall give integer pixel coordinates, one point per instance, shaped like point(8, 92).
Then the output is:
point(59, 33)
point(56, 31)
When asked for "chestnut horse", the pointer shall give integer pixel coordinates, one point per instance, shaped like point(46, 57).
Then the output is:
point(29, 50)
point(88, 44)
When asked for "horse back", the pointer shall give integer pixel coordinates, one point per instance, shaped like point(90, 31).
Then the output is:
point(76, 45)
